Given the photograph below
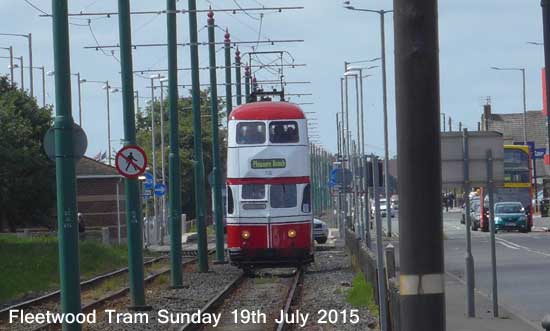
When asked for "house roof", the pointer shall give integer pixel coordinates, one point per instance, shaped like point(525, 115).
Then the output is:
point(90, 167)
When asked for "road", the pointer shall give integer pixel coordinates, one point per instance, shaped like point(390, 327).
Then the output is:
point(523, 265)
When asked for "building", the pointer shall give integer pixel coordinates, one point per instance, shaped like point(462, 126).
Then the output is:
point(100, 194)
point(511, 127)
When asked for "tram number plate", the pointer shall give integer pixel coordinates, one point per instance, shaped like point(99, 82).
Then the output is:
point(268, 163)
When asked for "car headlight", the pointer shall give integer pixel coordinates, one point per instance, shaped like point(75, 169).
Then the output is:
point(498, 219)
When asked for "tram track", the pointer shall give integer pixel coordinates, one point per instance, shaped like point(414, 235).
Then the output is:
point(268, 294)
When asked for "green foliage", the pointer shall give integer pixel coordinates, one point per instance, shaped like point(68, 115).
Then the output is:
point(27, 177)
point(143, 127)
point(361, 294)
point(35, 262)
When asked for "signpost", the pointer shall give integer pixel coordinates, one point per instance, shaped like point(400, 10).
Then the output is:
point(149, 182)
point(131, 161)
point(465, 162)
point(80, 142)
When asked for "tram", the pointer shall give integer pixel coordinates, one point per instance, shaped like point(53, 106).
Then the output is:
point(269, 213)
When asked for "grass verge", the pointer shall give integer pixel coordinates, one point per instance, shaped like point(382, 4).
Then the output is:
point(361, 294)
point(30, 265)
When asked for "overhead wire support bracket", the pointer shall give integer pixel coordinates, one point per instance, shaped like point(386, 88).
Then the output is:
point(234, 43)
point(219, 68)
point(158, 12)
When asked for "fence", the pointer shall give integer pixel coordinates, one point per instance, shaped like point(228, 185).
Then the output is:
point(365, 260)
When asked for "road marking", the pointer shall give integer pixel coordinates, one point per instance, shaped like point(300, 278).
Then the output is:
point(507, 245)
point(524, 247)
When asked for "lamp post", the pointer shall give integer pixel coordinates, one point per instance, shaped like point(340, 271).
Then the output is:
point(10, 50)
point(545, 4)
point(382, 14)
point(29, 38)
point(522, 70)
point(20, 66)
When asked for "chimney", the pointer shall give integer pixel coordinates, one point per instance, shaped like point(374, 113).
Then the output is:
point(486, 114)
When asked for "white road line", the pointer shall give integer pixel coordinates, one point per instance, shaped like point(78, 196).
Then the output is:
point(506, 245)
point(524, 247)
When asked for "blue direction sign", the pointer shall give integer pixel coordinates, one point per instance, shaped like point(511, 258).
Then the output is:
point(539, 153)
point(160, 190)
point(148, 181)
point(147, 194)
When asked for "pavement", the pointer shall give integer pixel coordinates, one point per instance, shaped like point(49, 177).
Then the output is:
point(523, 268)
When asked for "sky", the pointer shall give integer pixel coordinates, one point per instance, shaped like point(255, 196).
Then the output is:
point(474, 36)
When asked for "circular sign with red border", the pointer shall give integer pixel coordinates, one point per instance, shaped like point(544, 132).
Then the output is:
point(131, 161)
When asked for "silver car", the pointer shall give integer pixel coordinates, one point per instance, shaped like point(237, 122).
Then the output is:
point(320, 231)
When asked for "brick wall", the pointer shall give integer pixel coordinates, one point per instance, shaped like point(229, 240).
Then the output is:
point(97, 201)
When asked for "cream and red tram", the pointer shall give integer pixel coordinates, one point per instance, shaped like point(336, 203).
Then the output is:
point(269, 214)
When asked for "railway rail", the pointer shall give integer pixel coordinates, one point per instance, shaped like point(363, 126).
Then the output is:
point(272, 294)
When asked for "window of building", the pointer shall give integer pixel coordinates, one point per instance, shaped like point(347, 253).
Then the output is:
point(253, 191)
point(249, 133)
point(306, 200)
point(281, 132)
point(283, 196)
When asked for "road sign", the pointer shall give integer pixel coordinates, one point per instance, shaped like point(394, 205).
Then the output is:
point(80, 142)
point(539, 153)
point(131, 161)
point(149, 181)
point(160, 189)
point(452, 158)
point(147, 194)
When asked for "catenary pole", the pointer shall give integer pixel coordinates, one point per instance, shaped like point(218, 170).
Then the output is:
point(247, 84)
point(422, 295)
point(470, 272)
point(69, 272)
point(31, 79)
point(174, 181)
point(228, 90)
point(199, 189)
point(216, 164)
point(11, 65)
point(131, 186)
point(386, 130)
point(238, 76)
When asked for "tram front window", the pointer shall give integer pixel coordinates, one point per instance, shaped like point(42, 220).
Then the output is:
point(281, 132)
point(253, 191)
point(249, 133)
point(283, 196)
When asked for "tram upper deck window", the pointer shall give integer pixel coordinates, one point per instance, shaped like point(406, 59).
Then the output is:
point(281, 132)
point(250, 133)
point(253, 191)
point(283, 196)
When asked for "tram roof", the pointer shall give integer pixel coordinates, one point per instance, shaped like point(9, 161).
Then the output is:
point(267, 110)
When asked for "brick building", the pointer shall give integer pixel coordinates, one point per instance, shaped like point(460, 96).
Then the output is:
point(100, 193)
point(511, 126)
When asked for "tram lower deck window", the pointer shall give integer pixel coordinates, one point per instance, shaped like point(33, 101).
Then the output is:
point(253, 191)
point(283, 196)
point(249, 133)
point(281, 132)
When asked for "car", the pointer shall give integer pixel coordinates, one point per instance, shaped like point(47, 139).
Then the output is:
point(476, 220)
point(320, 231)
point(510, 216)
point(382, 209)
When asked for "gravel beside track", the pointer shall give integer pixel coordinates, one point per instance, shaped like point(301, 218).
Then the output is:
point(198, 289)
point(324, 287)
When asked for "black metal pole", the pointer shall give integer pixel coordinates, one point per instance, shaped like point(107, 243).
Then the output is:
point(422, 295)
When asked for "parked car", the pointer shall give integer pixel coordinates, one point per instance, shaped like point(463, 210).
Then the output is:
point(382, 209)
point(320, 231)
point(510, 216)
point(477, 219)
point(394, 205)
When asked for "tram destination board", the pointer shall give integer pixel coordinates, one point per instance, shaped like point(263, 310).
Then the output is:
point(268, 163)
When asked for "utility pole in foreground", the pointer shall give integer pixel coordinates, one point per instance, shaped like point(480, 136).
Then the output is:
point(422, 278)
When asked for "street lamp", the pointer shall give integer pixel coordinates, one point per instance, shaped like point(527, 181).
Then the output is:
point(29, 38)
point(382, 13)
point(524, 98)
point(15, 65)
point(10, 50)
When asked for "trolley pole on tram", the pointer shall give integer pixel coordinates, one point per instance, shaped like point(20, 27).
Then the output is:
point(228, 90)
point(174, 167)
point(216, 182)
point(133, 209)
point(199, 189)
point(65, 168)
point(422, 278)
point(238, 76)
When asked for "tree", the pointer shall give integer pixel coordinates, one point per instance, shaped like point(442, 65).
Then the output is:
point(185, 143)
point(27, 177)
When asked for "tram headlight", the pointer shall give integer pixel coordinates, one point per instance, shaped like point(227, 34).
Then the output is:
point(291, 233)
point(245, 234)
